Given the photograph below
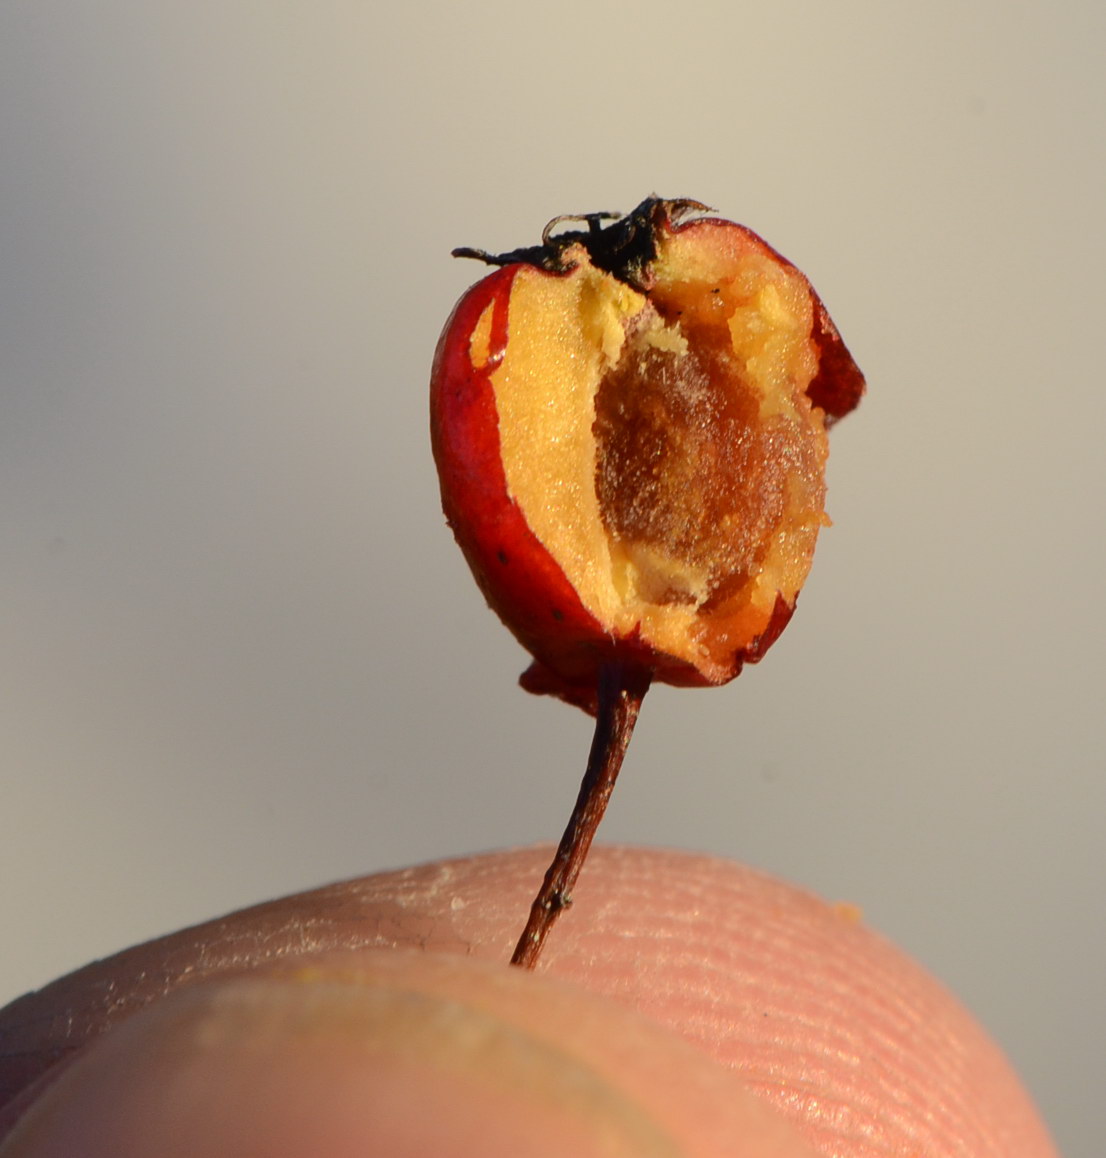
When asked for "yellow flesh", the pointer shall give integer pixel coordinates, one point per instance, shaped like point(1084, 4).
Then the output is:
point(663, 450)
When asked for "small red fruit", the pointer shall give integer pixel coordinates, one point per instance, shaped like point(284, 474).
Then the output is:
point(629, 422)
point(629, 426)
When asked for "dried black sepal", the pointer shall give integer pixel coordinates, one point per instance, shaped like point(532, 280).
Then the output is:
point(625, 248)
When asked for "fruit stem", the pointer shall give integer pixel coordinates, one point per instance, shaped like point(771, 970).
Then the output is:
point(622, 687)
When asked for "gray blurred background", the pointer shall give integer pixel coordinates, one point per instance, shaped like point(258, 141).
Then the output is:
point(239, 652)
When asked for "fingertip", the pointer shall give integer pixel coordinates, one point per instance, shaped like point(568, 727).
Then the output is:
point(841, 1033)
point(397, 1054)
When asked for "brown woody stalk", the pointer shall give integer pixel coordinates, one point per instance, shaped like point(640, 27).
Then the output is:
point(622, 687)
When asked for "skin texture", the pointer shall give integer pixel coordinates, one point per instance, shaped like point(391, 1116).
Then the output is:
point(687, 1006)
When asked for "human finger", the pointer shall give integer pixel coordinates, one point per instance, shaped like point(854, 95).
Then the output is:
point(821, 1018)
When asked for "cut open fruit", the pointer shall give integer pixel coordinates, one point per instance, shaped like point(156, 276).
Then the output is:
point(630, 429)
point(629, 423)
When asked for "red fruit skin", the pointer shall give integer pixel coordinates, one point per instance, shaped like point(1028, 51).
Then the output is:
point(839, 385)
point(520, 580)
point(518, 577)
